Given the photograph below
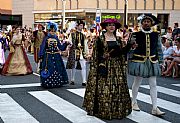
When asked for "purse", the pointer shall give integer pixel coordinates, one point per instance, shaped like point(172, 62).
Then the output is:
point(45, 73)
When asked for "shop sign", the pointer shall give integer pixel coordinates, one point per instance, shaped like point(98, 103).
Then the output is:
point(111, 16)
point(98, 15)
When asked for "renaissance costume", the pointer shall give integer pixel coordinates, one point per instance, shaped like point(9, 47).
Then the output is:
point(52, 70)
point(77, 54)
point(146, 60)
point(17, 62)
point(107, 95)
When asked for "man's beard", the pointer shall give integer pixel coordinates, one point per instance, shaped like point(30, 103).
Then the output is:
point(146, 28)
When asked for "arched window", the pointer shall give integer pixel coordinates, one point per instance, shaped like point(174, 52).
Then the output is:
point(70, 4)
point(117, 4)
point(164, 5)
point(173, 3)
point(154, 4)
point(107, 2)
point(97, 3)
point(77, 4)
point(144, 4)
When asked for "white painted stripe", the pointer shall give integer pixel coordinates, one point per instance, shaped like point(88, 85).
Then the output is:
point(140, 117)
point(164, 90)
point(68, 110)
point(161, 103)
point(178, 85)
point(143, 117)
point(12, 112)
point(36, 74)
point(20, 85)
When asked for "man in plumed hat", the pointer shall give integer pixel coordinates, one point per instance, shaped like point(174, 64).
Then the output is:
point(77, 53)
point(146, 60)
point(37, 39)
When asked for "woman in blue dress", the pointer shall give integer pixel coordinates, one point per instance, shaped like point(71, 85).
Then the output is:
point(52, 70)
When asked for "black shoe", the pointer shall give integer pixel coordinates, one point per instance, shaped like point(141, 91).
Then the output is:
point(72, 83)
point(83, 84)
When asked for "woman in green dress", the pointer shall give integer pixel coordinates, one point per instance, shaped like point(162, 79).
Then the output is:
point(107, 95)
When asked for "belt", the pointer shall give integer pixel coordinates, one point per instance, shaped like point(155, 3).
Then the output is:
point(52, 52)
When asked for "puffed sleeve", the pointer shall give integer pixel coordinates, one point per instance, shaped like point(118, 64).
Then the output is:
point(99, 50)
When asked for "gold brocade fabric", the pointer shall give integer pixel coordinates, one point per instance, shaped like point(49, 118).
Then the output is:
point(107, 98)
point(17, 64)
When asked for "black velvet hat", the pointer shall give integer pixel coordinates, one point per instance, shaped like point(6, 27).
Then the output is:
point(151, 17)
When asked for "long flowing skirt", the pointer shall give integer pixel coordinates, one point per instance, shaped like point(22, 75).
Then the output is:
point(36, 51)
point(109, 97)
point(57, 73)
point(17, 63)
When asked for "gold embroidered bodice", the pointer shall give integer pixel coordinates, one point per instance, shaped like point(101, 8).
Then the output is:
point(17, 39)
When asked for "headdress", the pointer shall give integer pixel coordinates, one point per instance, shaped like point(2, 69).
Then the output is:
point(71, 25)
point(52, 25)
point(151, 17)
point(109, 20)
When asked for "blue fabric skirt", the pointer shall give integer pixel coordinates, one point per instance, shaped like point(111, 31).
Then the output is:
point(57, 71)
point(144, 69)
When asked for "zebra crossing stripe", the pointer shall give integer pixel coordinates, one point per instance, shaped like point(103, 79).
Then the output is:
point(12, 112)
point(178, 85)
point(20, 85)
point(36, 74)
point(145, 98)
point(140, 117)
point(161, 103)
point(65, 108)
point(164, 90)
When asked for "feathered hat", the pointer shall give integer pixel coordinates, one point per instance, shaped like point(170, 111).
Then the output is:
point(151, 17)
point(52, 25)
point(110, 20)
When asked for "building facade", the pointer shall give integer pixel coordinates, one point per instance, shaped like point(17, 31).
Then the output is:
point(5, 7)
point(34, 11)
point(6, 17)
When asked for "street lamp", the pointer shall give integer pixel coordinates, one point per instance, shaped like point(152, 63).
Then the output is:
point(63, 13)
point(125, 12)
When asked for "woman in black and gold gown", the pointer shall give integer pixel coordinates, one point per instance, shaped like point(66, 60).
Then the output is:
point(107, 95)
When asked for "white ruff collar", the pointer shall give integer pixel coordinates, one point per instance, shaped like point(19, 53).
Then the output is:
point(145, 31)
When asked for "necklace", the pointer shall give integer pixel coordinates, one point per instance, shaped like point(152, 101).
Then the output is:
point(110, 37)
